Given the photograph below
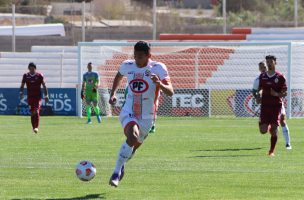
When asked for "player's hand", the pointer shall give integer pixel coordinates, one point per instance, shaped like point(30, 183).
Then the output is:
point(21, 95)
point(155, 79)
point(258, 99)
point(112, 100)
point(273, 93)
point(94, 90)
point(46, 98)
point(82, 94)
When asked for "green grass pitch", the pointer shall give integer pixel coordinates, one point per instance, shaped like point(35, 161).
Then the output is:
point(187, 158)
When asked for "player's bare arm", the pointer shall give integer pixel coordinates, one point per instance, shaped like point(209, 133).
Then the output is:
point(254, 93)
point(21, 90)
point(46, 93)
point(278, 94)
point(82, 89)
point(164, 85)
point(258, 97)
point(117, 82)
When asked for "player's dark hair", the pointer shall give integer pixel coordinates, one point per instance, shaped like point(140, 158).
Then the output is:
point(272, 57)
point(142, 46)
point(262, 63)
point(31, 64)
point(90, 63)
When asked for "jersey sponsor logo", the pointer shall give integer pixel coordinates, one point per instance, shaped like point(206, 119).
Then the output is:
point(148, 72)
point(131, 72)
point(276, 80)
point(131, 115)
point(139, 86)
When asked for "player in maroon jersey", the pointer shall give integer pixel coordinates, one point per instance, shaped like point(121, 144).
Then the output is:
point(273, 86)
point(283, 123)
point(33, 81)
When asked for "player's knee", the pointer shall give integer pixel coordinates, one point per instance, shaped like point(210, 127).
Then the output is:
point(132, 134)
point(282, 120)
point(136, 146)
point(132, 139)
point(263, 129)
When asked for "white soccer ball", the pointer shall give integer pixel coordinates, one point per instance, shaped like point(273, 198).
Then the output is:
point(85, 170)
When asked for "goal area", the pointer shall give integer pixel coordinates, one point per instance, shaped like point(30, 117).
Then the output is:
point(210, 79)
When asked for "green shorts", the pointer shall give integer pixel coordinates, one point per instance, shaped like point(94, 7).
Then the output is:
point(91, 97)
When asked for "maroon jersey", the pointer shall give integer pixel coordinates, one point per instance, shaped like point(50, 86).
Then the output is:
point(33, 84)
point(277, 82)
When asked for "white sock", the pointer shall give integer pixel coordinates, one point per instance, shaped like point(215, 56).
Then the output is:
point(123, 155)
point(285, 131)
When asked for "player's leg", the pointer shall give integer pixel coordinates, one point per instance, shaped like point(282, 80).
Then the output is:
point(153, 128)
point(274, 118)
point(135, 147)
point(37, 118)
point(35, 104)
point(285, 130)
point(136, 132)
point(95, 98)
point(31, 108)
point(263, 127)
point(132, 132)
point(89, 113)
point(263, 122)
point(122, 171)
point(88, 97)
point(273, 138)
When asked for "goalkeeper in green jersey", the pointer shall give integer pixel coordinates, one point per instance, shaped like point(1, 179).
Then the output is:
point(89, 92)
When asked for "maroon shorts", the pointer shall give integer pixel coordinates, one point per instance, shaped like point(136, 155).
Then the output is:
point(34, 104)
point(270, 115)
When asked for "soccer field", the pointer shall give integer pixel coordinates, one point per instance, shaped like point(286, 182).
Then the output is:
point(187, 158)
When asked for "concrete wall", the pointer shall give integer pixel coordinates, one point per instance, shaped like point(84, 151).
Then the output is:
point(73, 35)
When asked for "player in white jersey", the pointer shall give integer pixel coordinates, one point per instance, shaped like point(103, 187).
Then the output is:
point(285, 129)
point(145, 79)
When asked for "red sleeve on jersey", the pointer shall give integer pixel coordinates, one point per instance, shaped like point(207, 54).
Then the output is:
point(283, 83)
point(42, 78)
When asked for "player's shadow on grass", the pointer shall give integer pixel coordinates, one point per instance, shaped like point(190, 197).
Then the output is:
point(89, 196)
point(224, 156)
point(225, 150)
point(236, 149)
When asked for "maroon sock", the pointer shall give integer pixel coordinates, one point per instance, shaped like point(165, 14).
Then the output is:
point(273, 141)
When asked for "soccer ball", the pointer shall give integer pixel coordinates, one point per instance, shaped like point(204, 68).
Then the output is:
point(85, 170)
